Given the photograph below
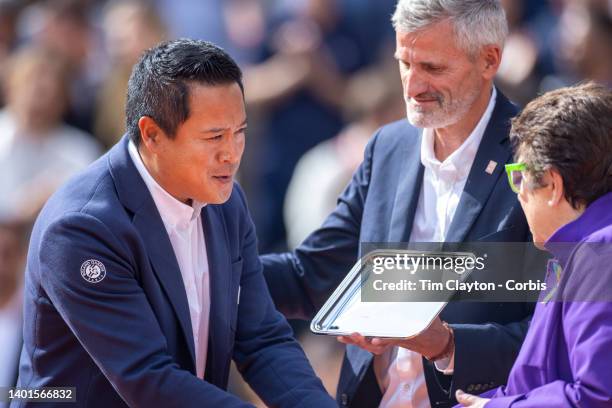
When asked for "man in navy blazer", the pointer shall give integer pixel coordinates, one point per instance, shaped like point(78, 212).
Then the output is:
point(113, 258)
point(448, 54)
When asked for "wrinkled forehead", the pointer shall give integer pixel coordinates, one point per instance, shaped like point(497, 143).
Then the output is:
point(436, 41)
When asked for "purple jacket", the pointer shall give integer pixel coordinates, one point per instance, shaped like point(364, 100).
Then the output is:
point(566, 359)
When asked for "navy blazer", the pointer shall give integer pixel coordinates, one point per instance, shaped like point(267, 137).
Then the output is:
point(379, 206)
point(127, 339)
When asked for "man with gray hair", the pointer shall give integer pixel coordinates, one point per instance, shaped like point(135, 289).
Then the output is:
point(437, 177)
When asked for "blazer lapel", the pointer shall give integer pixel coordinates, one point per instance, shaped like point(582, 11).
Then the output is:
point(219, 266)
point(407, 193)
point(494, 150)
point(134, 194)
point(152, 230)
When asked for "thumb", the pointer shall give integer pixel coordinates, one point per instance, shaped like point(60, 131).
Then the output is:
point(464, 398)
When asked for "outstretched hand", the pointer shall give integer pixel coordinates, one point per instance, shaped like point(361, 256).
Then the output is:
point(430, 342)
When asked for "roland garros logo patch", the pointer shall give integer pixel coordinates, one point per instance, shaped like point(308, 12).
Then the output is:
point(93, 271)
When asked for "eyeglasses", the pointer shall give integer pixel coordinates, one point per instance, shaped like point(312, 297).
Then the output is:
point(515, 175)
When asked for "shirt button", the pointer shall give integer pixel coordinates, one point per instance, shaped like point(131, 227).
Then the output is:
point(344, 400)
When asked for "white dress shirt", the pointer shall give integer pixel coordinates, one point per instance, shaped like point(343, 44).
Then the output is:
point(400, 371)
point(184, 227)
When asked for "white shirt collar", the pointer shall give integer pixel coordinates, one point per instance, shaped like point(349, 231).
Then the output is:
point(460, 161)
point(173, 212)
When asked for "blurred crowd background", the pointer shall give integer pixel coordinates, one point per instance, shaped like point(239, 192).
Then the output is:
point(320, 78)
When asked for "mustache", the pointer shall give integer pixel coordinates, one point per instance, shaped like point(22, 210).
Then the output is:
point(227, 170)
point(430, 95)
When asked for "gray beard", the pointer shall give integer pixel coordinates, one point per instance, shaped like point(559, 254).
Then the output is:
point(446, 114)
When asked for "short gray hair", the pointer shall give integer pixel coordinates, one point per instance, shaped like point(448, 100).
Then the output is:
point(476, 22)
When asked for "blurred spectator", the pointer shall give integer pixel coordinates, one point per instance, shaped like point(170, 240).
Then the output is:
point(64, 27)
point(37, 151)
point(374, 97)
point(238, 26)
point(585, 34)
point(307, 59)
point(130, 27)
point(12, 257)
point(528, 57)
point(245, 25)
point(9, 12)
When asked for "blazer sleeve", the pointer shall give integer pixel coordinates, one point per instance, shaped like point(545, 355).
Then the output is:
point(113, 320)
point(587, 331)
point(589, 345)
point(265, 352)
point(485, 353)
point(301, 281)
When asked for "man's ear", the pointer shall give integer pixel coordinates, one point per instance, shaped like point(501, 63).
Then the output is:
point(150, 133)
point(491, 59)
point(557, 188)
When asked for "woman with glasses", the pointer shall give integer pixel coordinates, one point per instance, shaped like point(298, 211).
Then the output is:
point(563, 179)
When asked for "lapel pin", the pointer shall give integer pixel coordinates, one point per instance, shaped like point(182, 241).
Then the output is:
point(491, 167)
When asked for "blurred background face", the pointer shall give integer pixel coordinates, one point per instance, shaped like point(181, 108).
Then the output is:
point(131, 28)
point(585, 32)
point(200, 162)
point(440, 82)
point(37, 91)
point(65, 30)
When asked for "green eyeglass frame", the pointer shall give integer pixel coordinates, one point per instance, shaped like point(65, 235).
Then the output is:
point(515, 177)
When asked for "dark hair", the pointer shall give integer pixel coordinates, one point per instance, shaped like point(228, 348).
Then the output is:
point(159, 84)
point(569, 130)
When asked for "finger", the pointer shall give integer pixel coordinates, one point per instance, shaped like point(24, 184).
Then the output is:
point(384, 343)
point(461, 396)
point(354, 339)
point(465, 399)
point(377, 341)
point(377, 346)
point(362, 342)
